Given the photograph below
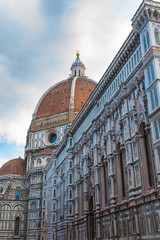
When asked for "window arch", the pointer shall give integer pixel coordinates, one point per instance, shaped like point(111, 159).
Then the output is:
point(156, 34)
point(33, 206)
point(18, 192)
point(17, 226)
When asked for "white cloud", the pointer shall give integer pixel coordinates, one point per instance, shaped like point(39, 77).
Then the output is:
point(25, 13)
point(95, 28)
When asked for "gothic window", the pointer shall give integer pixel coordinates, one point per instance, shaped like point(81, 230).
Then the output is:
point(54, 193)
point(70, 178)
point(130, 177)
point(132, 125)
point(148, 40)
point(70, 164)
point(132, 63)
point(17, 226)
point(152, 100)
point(144, 44)
point(130, 66)
point(152, 72)
point(137, 56)
point(156, 97)
point(70, 209)
point(156, 34)
point(18, 191)
point(70, 194)
point(157, 223)
point(54, 206)
point(54, 218)
point(156, 130)
point(135, 60)
point(149, 75)
point(44, 202)
point(135, 150)
point(140, 52)
point(1, 189)
point(143, 226)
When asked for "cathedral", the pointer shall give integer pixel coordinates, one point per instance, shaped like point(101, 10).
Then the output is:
point(91, 169)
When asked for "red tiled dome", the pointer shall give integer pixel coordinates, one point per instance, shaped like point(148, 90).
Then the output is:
point(16, 166)
point(57, 99)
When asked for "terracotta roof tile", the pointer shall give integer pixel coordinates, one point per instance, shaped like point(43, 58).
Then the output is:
point(15, 166)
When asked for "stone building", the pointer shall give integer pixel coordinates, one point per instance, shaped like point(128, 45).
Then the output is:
point(93, 151)
point(13, 204)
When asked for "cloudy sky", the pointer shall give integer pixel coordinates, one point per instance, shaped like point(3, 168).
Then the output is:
point(38, 43)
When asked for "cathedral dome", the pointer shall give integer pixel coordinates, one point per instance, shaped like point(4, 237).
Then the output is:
point(15, 166)
point(59, 97)
point(66, 97)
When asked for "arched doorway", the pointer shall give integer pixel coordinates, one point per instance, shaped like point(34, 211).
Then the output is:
point(91, 220)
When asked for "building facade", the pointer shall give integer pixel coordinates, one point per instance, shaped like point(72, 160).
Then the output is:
point(93, 166)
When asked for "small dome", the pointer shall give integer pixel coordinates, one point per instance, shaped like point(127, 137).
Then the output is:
point(15, 166)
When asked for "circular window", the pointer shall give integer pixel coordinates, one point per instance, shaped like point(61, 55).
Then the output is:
point(52, 138)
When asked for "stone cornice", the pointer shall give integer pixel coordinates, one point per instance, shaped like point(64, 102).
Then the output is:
point(148, 10)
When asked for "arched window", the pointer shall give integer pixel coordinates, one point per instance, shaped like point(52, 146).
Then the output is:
point(148, 40)
point(70, 164)
point(70, 194)
point(70, 209)
point(156, 97)
point(70, 178)
point(156, 34)
point(149, 75)
point(152, 72)
point(17, 224)
point(54, 206)
point(18, 191)
point(54, 193)
point(144, 44)
point(152, 101)
point(1, 189)
point(156, 130)
point(38, 162)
